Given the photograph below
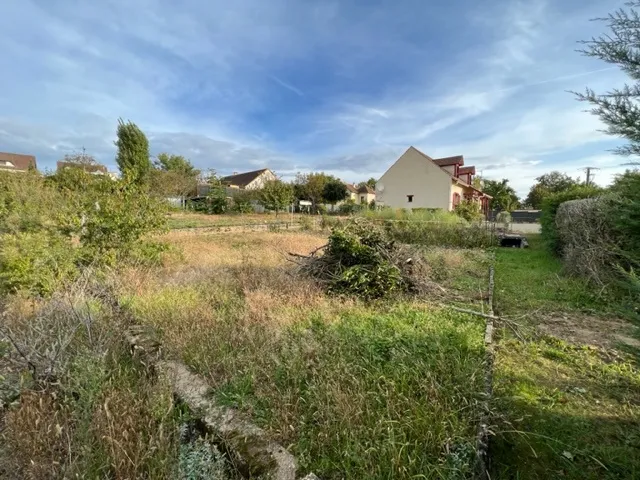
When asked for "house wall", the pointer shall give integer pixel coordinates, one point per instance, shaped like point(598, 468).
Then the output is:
point(413, 174)
point(259, 182)
point(366, 196)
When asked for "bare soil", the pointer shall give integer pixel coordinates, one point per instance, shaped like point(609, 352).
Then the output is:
point(583, 329)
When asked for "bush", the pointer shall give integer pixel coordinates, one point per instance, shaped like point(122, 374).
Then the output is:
point(550, 207)
point(469, 210)
point(36, 261)
point(242, 202)
point(349, 207)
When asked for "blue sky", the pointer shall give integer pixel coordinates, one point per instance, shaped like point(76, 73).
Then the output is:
point(299, 85)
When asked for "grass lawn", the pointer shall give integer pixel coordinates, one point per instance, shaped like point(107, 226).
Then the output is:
point(567, 401)
point(179, 220)
point(354, 390)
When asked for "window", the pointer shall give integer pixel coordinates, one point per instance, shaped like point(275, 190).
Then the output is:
point(410, 198)
point(362, 200)
point(456, 199)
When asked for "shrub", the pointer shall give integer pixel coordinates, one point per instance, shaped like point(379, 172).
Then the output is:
point(550, 208)
point(349, 207)
point(504, 218)
point(469, 210)
point(36, 261)
point(241, 202)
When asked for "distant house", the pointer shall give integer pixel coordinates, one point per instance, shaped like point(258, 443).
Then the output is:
point(240, 181)
point(416, 180)
point(249, 180)
point(17, 162)
point(94, 169)
point(352, 191)
point(365, 195)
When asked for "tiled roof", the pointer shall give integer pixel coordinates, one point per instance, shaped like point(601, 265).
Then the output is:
point(243, 179)
point(464, 170)
point(455, 160)
point(366, 189)
point(352, 188)
point(17, 161)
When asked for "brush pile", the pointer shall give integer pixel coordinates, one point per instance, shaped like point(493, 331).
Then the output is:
point(362, 261)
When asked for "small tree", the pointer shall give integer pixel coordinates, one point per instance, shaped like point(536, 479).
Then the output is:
point(310, 186)
point(504, 196)
point(369, 183)
point(176, 163)
point(133, 153)
point(276, 195)
point(547, 184)
point(334, 191)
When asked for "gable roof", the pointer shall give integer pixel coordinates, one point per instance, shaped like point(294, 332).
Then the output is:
point(352, 188)
point(89, 168)
point(453, 161)
point(243, 179)
point(17, 161)
point(366, 189)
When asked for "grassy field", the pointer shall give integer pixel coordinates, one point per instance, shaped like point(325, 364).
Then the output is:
point(567, 401)
point(355, 390)
point(179, 220)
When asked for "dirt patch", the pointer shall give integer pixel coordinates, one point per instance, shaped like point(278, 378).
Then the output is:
point(582, 329)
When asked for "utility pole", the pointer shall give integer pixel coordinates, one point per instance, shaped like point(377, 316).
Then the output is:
point(588, 171)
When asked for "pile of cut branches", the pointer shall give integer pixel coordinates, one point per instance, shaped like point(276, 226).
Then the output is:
point(361, 260)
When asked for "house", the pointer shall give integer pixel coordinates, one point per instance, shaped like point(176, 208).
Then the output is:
point(92, 168)
point(17, 162)
point(416, 180)
point(365, 195)
point(249, 180)
point(352, 192)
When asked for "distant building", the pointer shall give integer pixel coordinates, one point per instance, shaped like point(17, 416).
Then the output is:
point(365, 195)
point(249, 180)
point(416, 180)
point(241, 181)
point(17, 162)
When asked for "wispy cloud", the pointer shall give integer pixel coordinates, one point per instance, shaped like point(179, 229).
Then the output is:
point(296, 86)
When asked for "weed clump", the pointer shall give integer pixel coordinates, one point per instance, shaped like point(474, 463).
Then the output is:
point(361, 260)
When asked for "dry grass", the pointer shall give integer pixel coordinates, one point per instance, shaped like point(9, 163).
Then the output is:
point(193, 220)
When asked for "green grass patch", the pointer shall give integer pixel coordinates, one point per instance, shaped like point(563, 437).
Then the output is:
point(568, 412)
point(531, 279)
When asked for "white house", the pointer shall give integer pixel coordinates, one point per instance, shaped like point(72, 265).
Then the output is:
point(416, 180)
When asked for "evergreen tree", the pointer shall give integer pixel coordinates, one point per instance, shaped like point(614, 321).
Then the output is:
point(133, 153)
point(619, 108)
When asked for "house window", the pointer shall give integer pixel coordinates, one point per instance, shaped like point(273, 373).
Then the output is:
point(410, 198)
point(456, 199)
point(362, 199)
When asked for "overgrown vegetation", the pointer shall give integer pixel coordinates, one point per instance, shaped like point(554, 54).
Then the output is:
point(361, 259)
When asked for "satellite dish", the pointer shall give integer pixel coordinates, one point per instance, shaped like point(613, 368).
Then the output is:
point(380, 187)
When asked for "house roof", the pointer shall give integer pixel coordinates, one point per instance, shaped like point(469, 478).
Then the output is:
point(455, 160)
point(17, 161)
point(243, 179)
point(352, 188)
point(366, 189)
point(89, 168)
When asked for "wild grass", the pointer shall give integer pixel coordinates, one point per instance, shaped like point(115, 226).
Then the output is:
point(356, 390)
point(178, 220)
point(564, 408)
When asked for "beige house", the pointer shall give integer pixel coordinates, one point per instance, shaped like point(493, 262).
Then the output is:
point(249, 180)
point(17, 162)
point(241, 181)
point(365, 195)
point(416, 180)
